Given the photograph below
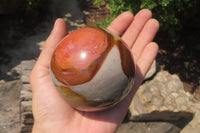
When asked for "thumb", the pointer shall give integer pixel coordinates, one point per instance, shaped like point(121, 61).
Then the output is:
point(57, 34)
point(40, 72)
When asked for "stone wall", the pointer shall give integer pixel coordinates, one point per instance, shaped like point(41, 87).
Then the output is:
point(26, 116)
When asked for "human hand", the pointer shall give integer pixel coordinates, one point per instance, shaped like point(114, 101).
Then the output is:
point(52, 114)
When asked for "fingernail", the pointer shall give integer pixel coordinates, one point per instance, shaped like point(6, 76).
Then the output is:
point(56, 23)
point(55, 26)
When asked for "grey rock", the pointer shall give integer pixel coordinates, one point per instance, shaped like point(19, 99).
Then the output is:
point(148, 127)
point(162, 98)
point(26, 87)
point(151, 71)
point(26, 67)
point(27, 122)
point(25, 95)
point(194, 124)
point(27, 118)
point(132, 127)
point(26, 106)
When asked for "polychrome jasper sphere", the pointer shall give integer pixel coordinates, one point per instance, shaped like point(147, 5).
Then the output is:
point(92, 69)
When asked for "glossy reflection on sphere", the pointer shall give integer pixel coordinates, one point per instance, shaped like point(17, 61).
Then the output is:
point(92, 69)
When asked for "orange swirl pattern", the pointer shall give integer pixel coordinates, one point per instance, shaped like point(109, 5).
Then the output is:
point(79, 55)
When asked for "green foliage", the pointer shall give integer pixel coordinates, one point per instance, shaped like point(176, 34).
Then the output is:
point(98, 2)
point(170, 13)
point(105, 23)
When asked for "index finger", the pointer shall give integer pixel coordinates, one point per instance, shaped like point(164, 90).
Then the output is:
point(121, 23)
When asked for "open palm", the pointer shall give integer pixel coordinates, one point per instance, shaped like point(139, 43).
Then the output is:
point(53, 115)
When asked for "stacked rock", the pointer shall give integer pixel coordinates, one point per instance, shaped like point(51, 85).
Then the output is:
point(26, 97)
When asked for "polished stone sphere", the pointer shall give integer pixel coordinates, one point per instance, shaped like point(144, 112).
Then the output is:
point(93, 69)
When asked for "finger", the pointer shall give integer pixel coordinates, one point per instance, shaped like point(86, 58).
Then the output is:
point(136, 26)
point(144, 63)
point(147, 57)
point(121, 23)
point(146, 36)
point(57, 34)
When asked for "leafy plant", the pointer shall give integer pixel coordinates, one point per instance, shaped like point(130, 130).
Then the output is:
point(106, 22)
point(170, 13)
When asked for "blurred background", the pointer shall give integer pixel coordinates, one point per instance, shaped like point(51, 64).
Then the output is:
point(25, 25)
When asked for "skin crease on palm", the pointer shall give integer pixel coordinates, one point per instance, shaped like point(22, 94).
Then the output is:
point(53, 115)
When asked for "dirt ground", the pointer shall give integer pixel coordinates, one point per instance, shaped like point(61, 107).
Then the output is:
point(9, 107)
